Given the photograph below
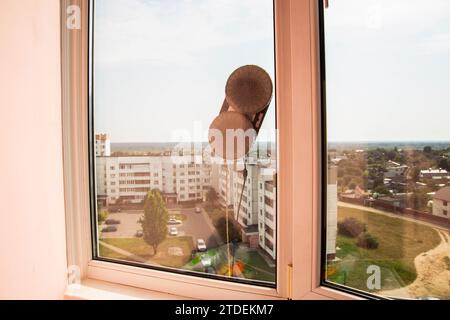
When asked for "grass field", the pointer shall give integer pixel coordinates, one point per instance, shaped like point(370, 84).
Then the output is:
point(139, 247)
point(256, 267)
point(400, 241)
point(108, 253)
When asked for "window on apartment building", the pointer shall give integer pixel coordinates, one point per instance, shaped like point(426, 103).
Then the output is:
point(385, 65)
point(445, 203)
point(444, 212)
point(161, 72)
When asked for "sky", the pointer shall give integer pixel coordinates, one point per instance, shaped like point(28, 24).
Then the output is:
point(388, 70)
point(161, 66)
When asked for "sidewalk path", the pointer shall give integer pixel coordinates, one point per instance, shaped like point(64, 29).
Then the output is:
point(433, 273)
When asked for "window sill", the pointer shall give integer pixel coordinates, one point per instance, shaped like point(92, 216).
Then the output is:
point(101, 290)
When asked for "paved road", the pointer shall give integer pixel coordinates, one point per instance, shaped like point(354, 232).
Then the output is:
point(128, 225)
point(196, 225)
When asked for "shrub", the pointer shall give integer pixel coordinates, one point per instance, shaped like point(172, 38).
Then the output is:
point(351, 227)
point(367, 241)
point(233, 230)
point(102, 216)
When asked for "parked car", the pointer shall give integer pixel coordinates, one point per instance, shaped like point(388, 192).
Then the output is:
point(109, 229)
point(174, 221)
point(201, 245)
point(112, 221)
point(139, 234)
point(173, 231)
point(198, 210)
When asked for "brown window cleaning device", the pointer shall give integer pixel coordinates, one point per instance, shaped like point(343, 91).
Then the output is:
point(248, 94)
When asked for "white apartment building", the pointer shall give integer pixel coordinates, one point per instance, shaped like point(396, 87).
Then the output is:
point(226, 181)
point(267, 206)
point(102, 145)
point(257, 213)
point(129, 179)
point(332, 200)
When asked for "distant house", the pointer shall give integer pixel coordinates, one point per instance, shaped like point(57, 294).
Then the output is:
point(434, 174)
point(394, 169)
point(394, 201)
point(441, 201)
point(335, 160)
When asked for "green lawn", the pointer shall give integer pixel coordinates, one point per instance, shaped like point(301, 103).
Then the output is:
point(400, 242)
point(139, 247)
point(108, 253)
point(256, 267)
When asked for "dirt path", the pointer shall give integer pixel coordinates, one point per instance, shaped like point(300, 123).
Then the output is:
point(433, 273)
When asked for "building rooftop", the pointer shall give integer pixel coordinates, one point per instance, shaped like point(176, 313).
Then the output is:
point(443, 194)
point(433, 171)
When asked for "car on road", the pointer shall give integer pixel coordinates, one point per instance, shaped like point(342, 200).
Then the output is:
point(112, 221)
point(201, 245)
point(198, 210)
point(139, 234)
point(173, 231)
point(174, 221)
point(109, 229)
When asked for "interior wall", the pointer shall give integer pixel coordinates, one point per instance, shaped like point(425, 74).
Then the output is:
point(32, 227)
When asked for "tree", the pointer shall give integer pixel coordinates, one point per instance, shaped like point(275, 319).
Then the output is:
point(443, 164)
point(419, 200)
point(211, 195)
point(351, 227)
point(415, 174)
point(154, 222)
point(367, 241)
point(381, 189)
point(234, 235)
point(102, 216)
point(427, 149)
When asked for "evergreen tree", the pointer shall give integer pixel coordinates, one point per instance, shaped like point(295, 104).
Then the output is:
point(154, 222)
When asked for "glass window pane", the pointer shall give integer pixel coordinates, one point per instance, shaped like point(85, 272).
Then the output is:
point(388, 188)
point(169, 195)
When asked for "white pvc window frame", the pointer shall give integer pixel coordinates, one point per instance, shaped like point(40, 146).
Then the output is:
point(299, 167)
